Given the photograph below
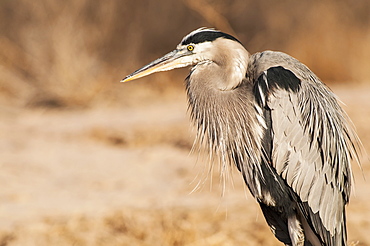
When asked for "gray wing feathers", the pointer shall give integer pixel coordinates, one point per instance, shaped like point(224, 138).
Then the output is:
point(310, 151)
point(313, 141)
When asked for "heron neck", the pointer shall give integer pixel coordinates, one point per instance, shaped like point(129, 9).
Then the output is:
point(220, 117)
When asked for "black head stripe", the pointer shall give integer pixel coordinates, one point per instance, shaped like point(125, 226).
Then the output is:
point(205, 36)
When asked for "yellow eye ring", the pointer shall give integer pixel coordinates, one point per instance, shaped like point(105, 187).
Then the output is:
point(190, 47)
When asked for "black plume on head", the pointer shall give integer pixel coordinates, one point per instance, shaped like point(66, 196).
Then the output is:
point(204, 36)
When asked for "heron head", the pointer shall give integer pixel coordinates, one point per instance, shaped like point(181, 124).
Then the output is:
point(196, 47)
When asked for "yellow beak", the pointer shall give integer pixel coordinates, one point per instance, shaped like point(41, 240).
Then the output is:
point(174, 59)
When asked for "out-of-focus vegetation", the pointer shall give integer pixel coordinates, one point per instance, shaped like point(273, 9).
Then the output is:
point(170, 227)
point(74, 52)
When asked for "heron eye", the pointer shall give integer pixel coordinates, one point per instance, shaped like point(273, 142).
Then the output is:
point(190, 47)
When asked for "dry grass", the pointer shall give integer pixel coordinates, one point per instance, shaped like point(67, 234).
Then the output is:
point(156, 227)
point(165, 227)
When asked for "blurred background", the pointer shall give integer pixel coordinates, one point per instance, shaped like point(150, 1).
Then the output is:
point(89, 161)
point(72, 53)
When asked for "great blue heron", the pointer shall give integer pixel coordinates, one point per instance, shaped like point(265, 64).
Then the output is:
point(274, 119)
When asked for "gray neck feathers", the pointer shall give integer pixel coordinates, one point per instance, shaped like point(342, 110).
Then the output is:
point(224, 111)
point(223, 124)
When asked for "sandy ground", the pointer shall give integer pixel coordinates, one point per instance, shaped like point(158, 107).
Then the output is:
point(124, 176)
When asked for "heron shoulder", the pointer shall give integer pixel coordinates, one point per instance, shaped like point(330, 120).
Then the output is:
point(262, 61)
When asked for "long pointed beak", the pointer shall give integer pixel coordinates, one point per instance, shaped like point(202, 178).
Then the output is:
point(174, 59)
